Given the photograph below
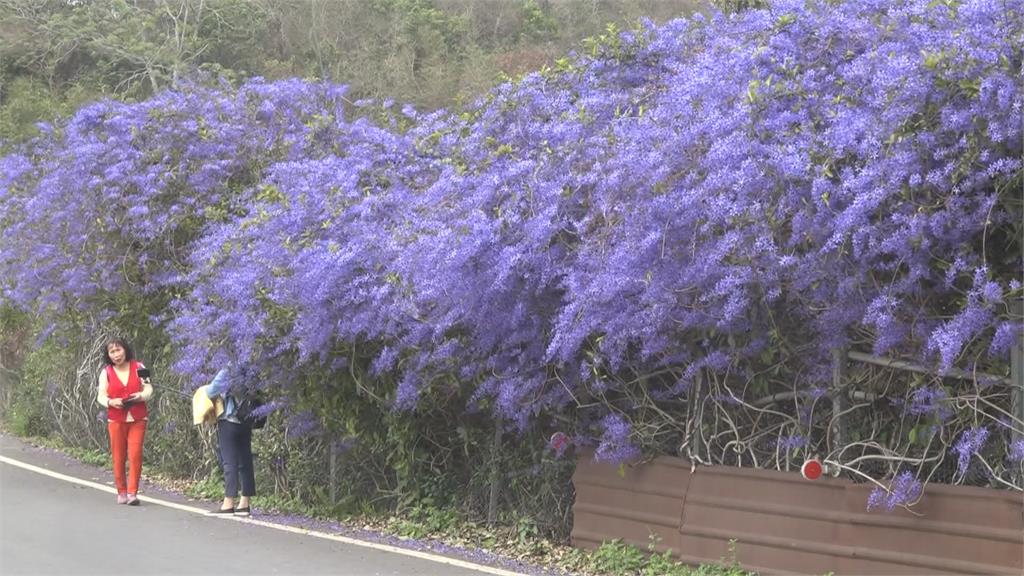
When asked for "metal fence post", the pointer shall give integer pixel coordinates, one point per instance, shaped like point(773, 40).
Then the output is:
point(332, 446)
point(1017, 378)
point(839, 401)
point(695, 420)
point(492, 504)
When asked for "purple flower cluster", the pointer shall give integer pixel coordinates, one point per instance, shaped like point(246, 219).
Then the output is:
point(792, 442)
point(1017, 451)
point(904, 490)
point(689, 198)
point(301, 424)
point(929, 401)
point(971, 442)
point(616, 444)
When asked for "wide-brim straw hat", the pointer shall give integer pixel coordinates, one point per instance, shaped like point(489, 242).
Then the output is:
point(205, 410)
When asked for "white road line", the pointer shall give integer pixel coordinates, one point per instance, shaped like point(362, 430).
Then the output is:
point(281, 527)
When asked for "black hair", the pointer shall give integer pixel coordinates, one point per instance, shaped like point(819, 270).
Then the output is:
point(129, 354)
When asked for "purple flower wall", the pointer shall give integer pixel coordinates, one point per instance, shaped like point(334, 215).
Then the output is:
point(710, 199)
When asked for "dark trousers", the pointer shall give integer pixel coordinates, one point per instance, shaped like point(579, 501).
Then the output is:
point(235, 442)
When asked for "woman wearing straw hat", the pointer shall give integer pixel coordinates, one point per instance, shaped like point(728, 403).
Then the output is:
point(234, 438)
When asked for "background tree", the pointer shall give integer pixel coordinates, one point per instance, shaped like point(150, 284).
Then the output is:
point(58, 54)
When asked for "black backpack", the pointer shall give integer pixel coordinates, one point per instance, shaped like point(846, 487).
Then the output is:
point(248, 403)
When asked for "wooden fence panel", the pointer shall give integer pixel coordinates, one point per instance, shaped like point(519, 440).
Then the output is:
point(783, 523)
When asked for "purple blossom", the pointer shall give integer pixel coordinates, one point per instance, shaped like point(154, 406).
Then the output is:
point(616, 444)
point(1017, 451)
point(792, 442)
point(302, 424)
point(1008, 334)
point(971, 442)
point(930, 401)
point(904, 490)
point(268, 408)
point(710, 193)
point(949, 339)
point(817, 392)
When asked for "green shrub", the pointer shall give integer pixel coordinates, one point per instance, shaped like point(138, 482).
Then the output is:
point(616, 558)
point(91, 456)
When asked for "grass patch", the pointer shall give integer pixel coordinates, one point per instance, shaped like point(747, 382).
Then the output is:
point(90, 456)
point(616, 558)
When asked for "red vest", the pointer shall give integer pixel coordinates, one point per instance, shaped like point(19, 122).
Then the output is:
point(117, 389)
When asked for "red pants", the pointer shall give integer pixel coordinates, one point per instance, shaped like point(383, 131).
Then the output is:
point(126, 440)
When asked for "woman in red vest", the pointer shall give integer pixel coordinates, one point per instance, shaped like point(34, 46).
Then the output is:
point(124, 394)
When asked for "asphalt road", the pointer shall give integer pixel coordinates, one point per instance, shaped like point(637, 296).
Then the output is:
point(50, 526)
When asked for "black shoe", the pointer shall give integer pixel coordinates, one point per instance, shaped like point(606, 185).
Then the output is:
point(222, 511)
point(242, 511)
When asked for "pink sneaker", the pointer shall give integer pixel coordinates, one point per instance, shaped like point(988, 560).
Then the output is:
point(133, 500)
point(122, 498)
